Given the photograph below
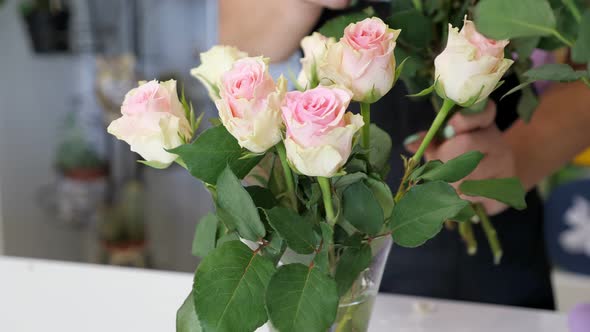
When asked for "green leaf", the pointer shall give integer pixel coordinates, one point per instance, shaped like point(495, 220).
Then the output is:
point(527, 104)
point(508, 19)
point(186, 317)
point(294, 229)
point(581, 49)
point(421, 212)
point(424, 92)
point(517, 88)
point(508, 190)
point(361, 209)
point(346, 180)
point(211, 152)
point(205, 235)
point(464, 215)
point(380, 148)
point(275, 248)
point(233, 236)
point(555, 72)
point(383, 194)
point(416, 28)
point(430, 165)
point(454, 169)
point(229, 289)
point(399, 70)
point(262, 197)
point(335, 27)
point(525, 46)
point(236, 208)
point(350, 265)
point(300, 298)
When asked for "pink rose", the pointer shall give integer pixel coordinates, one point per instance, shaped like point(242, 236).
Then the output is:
point(319, 130)
point(363, 60)
point(250, 104)
point(471, 65)
point(153, 121)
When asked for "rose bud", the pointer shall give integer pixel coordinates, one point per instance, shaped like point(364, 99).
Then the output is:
point(363, 60)
point(153, 121)
point(471, 65)
point(319, 130)
point(314, 51)
point(250, 104)
point(214, 63)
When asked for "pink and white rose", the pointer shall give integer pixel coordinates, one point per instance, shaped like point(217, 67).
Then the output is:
point(153, 121)
point(319, 129)
point(314, 48)
point(363, 60)
point(250, 103)
point(471, 65)
point(214, 63)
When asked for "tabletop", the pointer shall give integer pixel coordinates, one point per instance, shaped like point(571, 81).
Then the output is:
point(38, 295)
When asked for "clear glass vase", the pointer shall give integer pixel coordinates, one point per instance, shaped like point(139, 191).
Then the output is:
point(356, 306)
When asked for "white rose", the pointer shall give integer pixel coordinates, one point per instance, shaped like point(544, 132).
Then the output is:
point(471, 65)
point(214, 63)
point(250, 103)
point(314, 50)
point(152, 122)
point(319, 130)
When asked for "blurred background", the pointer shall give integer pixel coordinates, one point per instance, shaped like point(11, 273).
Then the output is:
point(69, 191)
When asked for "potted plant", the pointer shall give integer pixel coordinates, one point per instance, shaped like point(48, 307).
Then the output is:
point(48, 23)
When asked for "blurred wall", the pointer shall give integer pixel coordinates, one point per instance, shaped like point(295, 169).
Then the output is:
point(35, 94)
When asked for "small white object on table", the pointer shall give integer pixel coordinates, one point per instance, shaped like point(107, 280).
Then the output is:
point(38, 295)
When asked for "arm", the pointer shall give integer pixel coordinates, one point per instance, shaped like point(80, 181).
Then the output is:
point(270, 27)
point(559, 130)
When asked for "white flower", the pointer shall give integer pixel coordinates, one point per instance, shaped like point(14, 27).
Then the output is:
point(471, 65)
point(214, 63)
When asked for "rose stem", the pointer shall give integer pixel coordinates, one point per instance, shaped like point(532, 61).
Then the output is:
point(490, 232)
point(327, 196)
point(438, 121)
point(466, 232)
point(288, 175)
point(366, 130)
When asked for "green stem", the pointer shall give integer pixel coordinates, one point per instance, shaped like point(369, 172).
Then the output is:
point(418, 5)
point(561, 38)
point(327, 196)
point(490, 232)
point(366, 130)
point(438, 121)
point(466, 232)
point(288, 175)
point(573, 8)
point(586, 81)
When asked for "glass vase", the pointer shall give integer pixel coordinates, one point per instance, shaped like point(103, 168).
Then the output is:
point(356, 306)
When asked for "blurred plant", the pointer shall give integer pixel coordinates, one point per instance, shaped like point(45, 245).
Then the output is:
point(75, 152)
point(123, 223)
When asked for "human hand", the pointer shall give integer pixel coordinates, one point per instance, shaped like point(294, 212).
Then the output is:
point(475, 132)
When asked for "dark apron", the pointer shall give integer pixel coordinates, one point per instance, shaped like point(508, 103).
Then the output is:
point(441, 268)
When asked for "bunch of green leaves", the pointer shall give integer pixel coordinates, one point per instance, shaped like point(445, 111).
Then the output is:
point(240, 285)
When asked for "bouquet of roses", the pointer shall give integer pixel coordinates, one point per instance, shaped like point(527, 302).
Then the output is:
point(303, 219)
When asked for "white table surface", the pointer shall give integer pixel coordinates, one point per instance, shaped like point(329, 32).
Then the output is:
point(38, 295)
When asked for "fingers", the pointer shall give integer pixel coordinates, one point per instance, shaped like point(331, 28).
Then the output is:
point(463, 123)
